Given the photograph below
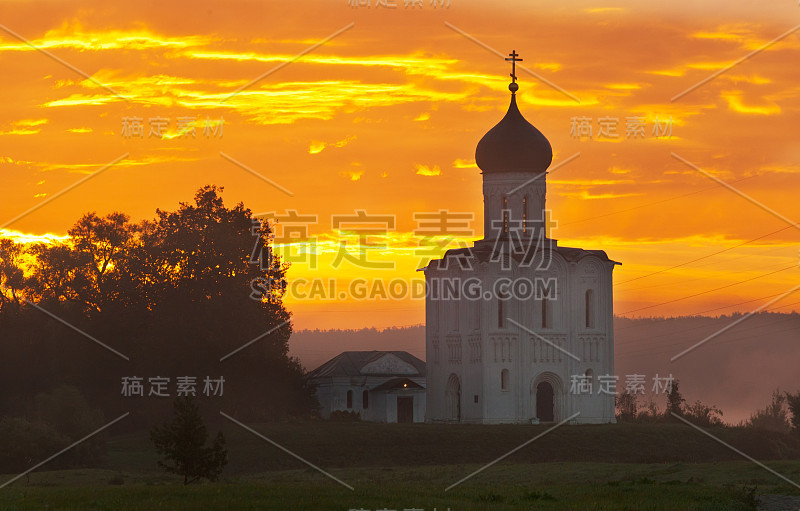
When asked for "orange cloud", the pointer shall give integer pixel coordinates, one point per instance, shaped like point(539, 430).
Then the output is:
point(74, 37)
point(25, 127)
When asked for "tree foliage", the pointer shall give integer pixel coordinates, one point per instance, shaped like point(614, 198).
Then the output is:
point(171, 293)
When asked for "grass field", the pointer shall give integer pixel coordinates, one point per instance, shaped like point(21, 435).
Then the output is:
point(654, 467)
point(361, 444)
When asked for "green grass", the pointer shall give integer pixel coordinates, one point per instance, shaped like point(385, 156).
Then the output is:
point(654, 467)
point(580, 486)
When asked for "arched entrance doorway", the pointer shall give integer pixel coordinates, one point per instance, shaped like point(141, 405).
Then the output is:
point(544, 402)
point(453, 398)
point(547, 397)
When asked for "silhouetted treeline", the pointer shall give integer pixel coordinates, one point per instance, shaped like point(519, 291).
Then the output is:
point(172, 294)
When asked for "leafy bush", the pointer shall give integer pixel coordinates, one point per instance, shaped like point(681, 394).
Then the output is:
point(649, 412)
point(25, 443)
point(345, 416)
point(627, 407)
point(66, 410)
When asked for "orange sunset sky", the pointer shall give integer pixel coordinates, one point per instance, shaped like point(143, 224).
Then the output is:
point(385, 116)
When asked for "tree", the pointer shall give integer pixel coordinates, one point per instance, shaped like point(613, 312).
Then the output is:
point(774, 417)
point(174, 294)
point(649, 412)
point(702, 414)
point(793, 401)
point(101, 245)
point(12, 276)
point(675, 400)
point(195, 271)
point(627, 407)
point(182, 443)
point(87, 268)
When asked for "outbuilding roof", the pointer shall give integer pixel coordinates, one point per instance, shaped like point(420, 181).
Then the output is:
point(353, 363)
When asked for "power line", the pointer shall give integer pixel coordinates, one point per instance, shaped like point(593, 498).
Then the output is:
point(706, 292)
point(684, 281)
point(652, 203)
point(744, 256)
point(703, 257)
point(700, 312)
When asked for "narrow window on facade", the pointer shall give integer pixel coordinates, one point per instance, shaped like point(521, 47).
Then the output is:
point(505, 215)
point(501, 312)
point(525, 215)
point(545, 313)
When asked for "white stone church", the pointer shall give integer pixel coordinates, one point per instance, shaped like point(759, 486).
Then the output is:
point(518, 328)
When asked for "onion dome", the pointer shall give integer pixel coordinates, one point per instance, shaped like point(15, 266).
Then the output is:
point(514, 144)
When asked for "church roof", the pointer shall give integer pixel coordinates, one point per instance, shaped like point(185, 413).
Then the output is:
point(513, 145)
point(357, 363)
point(484, 251)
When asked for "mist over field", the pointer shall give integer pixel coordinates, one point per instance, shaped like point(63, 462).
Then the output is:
point(736, 370)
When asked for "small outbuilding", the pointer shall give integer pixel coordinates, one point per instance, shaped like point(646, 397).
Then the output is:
point(381, 386)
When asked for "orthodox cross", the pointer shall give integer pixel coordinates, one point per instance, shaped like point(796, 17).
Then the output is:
point(513, 61)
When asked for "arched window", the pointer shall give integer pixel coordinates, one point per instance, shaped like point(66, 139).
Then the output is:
point(589, 308)
point(453, 398)
point(504, 383)
point(349, 399)
point(365, 399)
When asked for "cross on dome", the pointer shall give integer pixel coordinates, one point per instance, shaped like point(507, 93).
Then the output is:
point(514, 144)
point(513, 61)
